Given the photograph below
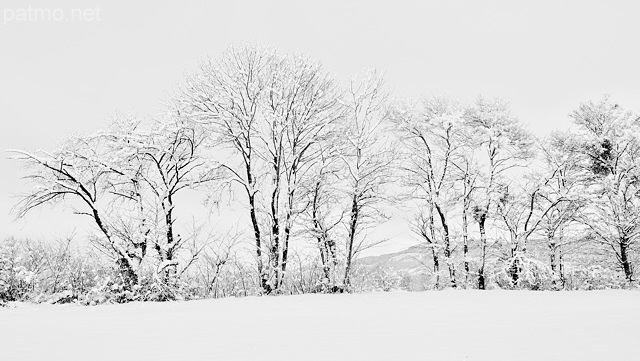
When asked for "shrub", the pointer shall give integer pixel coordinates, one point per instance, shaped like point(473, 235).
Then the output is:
point(594, 277)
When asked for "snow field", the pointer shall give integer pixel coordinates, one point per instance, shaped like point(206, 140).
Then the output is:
point(446, 325)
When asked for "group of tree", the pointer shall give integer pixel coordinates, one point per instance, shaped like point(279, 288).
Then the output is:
point(314, 162)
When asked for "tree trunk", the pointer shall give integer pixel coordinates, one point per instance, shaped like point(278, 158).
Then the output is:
point(127, 272)
point(287, 234)
point(169, 272)
point(514, 268)
point(332, 264)
point(353, 222)
point(274, 250)
point(325, 254)
point(466, 203)
point(561, 265)
point(321, 236)
point(447, 246)
point(552, 255)
point(434, 249)
point(125, 268)
point(483, 252)
point(324, 258)
point(256, 232)
point(553, 259)
point(465, 242)
point(436, 264)
point(624, 259)
point(256, 228)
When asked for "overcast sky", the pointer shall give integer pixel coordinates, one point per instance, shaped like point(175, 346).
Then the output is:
point(62, 77)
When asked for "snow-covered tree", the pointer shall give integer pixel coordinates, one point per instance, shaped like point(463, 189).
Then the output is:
point(368, 157)
point(609, 156)
point(162, 159)
point(325, 212)
point(564, 182)
point(225, 97)
point(82, 172)
point(270, 114)
point(522, 208)
point(466, 172)
point(432, 139)
point(503, 145)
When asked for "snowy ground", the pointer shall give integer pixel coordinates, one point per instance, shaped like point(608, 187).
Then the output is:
point(447, 325)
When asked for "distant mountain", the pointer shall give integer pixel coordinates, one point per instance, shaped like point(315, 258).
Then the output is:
point(413, 260)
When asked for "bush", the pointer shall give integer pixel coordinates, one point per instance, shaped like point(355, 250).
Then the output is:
point(531, 274)
point(58, 273)
point(16, 281)
point(594, 277)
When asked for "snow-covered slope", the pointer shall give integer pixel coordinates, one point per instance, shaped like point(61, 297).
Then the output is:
point(413, 260)
point(445, 325)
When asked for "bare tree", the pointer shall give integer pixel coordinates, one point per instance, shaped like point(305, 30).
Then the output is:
point(126, 178)
point(81, 171)
point(466, 174)
point(169, 160)
point(271, 113)
point(225, 97)
point(522, 210)
point(505, 145)
point(564, 182)
point(214, 257)
point(325, 212)
point(423, 227)
point(432, 139)
point(303, 110)
point(367, 159)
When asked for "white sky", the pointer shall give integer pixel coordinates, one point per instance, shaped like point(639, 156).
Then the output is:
point(62, 77)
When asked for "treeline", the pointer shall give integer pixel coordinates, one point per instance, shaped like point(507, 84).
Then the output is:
point(312, 162)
